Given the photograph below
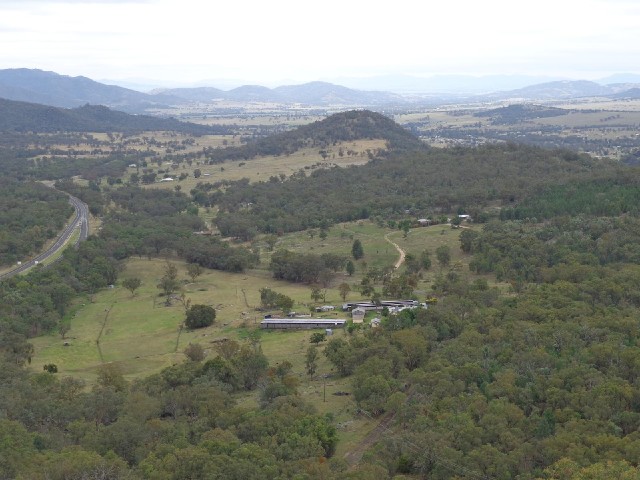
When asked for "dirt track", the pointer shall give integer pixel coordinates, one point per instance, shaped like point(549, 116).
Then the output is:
point(400, 251)
point(353, 457)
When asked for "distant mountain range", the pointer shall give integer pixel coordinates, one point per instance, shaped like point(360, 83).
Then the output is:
point(630, 94)
point(562, 90)
point(50, 88)
point(444, 85)
point(313, 93)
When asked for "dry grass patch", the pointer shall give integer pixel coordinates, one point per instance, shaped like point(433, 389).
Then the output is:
point(262, 168)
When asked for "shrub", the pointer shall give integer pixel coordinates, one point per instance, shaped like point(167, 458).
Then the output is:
point(199, 316)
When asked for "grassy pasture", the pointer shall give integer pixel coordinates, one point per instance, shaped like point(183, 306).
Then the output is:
point(602, 104)
point(378, 252)
point(625, 112)
point(595, 120)
point(143, 335)
point(261, 168)
point(161, 142)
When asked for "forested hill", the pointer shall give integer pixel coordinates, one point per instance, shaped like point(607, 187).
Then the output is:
point(33, 117)
point(358, 124)
point(340, 127)
point(427, 182)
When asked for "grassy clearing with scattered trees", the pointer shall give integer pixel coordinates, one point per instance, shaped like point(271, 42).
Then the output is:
point(142, 315)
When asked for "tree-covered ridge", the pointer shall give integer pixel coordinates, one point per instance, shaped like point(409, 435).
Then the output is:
point(340, 127)
point(32, 117)
point(519, 113)
point(524, 252)
point(30, 214)
point(603, 197)
point(159, 222)
point(425, 182)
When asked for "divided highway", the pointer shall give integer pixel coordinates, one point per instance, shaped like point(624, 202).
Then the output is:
point(81, 221)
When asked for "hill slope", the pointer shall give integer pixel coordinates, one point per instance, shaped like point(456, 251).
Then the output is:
point(32, 117)
point(427, 182)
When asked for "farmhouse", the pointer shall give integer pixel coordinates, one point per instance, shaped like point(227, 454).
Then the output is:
point(357, 315)
point(301, 323)
point(369, 306)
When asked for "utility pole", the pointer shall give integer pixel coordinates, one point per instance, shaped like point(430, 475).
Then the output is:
point(324, 388)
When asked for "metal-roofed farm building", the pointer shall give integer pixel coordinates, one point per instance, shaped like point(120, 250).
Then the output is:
point(301, 323)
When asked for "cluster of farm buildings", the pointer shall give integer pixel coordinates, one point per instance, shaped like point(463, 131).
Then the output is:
point(358, 311)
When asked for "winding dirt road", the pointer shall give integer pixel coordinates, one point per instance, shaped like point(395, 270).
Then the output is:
point(400, 251)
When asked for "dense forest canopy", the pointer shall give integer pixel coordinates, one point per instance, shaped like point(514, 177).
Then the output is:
point(514, 114)
point(30, 215)
point(505, 386)
point(616, 195)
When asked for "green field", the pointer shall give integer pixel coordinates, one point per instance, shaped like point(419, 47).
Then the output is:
point(139, 332)
point(143, 336)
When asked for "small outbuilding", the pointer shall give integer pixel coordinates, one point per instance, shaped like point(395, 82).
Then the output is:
point(325, 308)
point(357, 315)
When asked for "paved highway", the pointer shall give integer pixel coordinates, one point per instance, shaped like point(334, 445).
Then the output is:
point(80, 220)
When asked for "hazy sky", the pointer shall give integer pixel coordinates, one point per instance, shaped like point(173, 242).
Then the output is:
point(296, 40)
